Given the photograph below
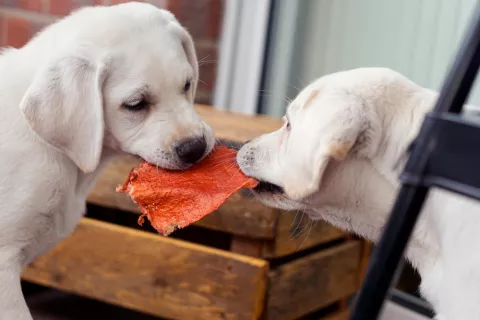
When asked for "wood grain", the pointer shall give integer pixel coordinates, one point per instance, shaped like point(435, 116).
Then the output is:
point(342, 315)
point(242, 216)
point(296, 232)
point(237, 127)
point(247, 246)
point(364, 260)
point(153, 274)
point(315, 281)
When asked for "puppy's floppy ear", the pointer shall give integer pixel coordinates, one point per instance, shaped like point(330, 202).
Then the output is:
point(64, 106)
point(189, 48)
point(334, 148)
point(341, 127)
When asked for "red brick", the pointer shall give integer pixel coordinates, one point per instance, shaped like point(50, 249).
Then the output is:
point(159, 3)
point(18, 31)
point(32, 5)
point(113, 2)
point(3, 26)
point(192, 15)
point(64, 7)
point(201, 17)
point(216, 16)
point(37, 26)
point(9, 3)
point(61, 7)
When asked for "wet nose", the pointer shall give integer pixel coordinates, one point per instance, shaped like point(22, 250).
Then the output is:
point(191, 150)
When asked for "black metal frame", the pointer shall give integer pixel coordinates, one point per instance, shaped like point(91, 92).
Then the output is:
point(412, 303)
point(443, 155)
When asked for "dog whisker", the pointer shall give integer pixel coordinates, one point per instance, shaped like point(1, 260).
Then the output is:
point(308, 234)
point(301, 82)
point(298, 224)
point(206, 57)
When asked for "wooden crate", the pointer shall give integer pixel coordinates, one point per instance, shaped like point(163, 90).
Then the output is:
point(268, 270)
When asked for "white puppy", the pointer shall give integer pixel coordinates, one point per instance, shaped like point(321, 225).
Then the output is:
point(335, 158)
point(103, 81)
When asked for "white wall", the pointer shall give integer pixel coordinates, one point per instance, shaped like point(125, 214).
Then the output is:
point(415, 37)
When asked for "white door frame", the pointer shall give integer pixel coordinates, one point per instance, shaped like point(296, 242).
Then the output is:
point(241, 55)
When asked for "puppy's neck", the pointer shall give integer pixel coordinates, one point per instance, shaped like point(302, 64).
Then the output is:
point(86, 181)
point(367, 219)
point(400, 125)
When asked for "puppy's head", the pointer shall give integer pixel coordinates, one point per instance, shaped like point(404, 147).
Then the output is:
point(123, 78)
point(326, 128)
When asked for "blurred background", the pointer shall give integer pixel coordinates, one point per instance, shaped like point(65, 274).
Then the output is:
point(256, 53)
point(283, 45)
point(21, 19)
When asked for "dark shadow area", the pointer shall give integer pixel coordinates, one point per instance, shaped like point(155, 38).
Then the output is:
point(50, 304)
point(211, 238)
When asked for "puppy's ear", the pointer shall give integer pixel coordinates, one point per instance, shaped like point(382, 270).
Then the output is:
point(189, 48)
point(64, 106)
point(332, 137)
point(305, 184)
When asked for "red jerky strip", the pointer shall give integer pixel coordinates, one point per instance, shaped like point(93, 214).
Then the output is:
point(175, 199)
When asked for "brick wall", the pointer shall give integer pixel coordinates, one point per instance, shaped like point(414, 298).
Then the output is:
point(20, 19)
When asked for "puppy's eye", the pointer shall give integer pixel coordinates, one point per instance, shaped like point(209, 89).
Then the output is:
point(286, 120)
point(139, 105)
point(187, 86)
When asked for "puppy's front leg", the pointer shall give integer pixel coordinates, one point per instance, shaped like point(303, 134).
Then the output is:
point(12, 302)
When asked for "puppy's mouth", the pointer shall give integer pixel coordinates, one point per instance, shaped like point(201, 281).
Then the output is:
point(267, 187)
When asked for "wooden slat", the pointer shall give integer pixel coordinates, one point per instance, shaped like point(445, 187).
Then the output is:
point(296, 232)
point(315, 281)
point(242, 216)
point(342, 315)
point(235, 126)
point(364, 260)
point(239, 215)
point(147, 272)
point(247, 246)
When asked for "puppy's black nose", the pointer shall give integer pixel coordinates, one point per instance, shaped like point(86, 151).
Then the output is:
point(191, 150)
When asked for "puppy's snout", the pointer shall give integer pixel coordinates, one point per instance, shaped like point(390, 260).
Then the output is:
point(191, 150)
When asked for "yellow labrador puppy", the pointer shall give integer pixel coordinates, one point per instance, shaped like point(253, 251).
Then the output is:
point(101, 82)
point(335, 158)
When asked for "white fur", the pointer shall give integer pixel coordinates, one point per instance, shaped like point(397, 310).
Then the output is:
point(62, 118)
point(336, 160)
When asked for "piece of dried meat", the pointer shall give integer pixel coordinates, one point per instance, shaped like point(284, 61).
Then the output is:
point(175, 199)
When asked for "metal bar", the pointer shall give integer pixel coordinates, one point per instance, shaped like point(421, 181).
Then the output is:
point(412, 303)
point(384, 262)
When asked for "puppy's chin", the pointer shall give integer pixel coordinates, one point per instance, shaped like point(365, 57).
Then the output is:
point(276, 199)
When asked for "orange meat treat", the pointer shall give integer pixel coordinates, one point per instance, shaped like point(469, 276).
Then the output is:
point(175, 199)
